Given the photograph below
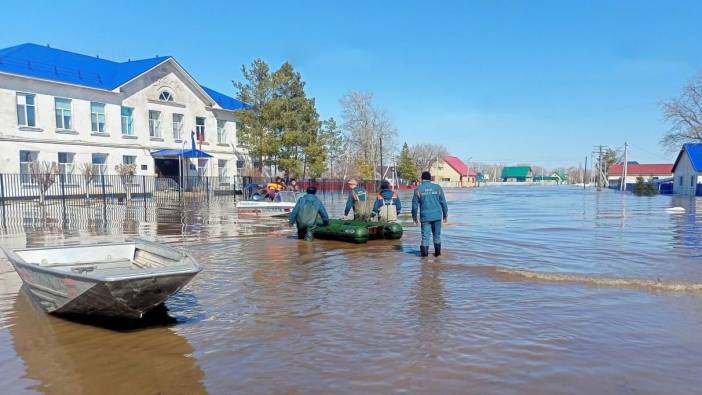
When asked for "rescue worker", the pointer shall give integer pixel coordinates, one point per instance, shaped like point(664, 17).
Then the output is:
point(387, 206)
point(358, 200)
point(429, 199)
point(307, 214)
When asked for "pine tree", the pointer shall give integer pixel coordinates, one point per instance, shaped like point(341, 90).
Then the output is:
point(406, 166)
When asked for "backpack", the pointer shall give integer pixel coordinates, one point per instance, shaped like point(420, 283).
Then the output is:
point(361, 208)
point(307, 216)
point(388, 210)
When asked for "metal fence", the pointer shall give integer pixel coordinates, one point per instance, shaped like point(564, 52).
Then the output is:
point(26, 198)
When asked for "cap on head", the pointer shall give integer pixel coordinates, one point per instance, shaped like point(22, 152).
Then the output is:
point(426, 175)
point(312, 190)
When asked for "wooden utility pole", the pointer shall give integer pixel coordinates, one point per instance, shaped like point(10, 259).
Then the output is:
point(625, 167)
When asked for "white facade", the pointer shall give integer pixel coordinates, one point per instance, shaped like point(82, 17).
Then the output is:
point(686, 177)
point(83, 138)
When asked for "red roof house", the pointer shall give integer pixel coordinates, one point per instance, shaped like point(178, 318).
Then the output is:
point(642, 170)
point(456, 173)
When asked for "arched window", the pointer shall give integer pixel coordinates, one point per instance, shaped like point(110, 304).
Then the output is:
point(165, 95)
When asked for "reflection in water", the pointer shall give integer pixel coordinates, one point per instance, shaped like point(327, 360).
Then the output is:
point(72, 358)
point(539, 290)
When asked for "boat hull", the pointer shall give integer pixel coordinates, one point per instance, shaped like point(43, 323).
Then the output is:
point(119, 280)
point(262, 209)
point(128, 298)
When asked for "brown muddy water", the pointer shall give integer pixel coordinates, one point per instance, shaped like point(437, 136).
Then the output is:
point(541, 290)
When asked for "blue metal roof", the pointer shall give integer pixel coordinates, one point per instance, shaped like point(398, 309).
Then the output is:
point(188, 153)
point(38, 61)
point(53, 64)
point(224, 101)
point(694, 152)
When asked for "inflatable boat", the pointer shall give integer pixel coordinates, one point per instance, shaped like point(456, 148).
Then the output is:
point(358, 231)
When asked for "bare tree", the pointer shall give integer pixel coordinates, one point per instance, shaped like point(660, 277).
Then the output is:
point(425, 155)
point(89, 174)
point(44, 175)
point(126, 176)
point(366, 125)
point(684, 113)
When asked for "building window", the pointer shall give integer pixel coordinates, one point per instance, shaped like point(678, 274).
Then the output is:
point(127, 121)
point(200, 128)
point(100, 163)
point(66, 166)
point(221, 132)
point(178, 126)
point(26, 110)
point(165, 95)
point(129, 160)
point(237, 132)
point(97, 117)
point(154, 123)
point(222, 169)
point(63, 113)
point(26, 159)
point(201, 167)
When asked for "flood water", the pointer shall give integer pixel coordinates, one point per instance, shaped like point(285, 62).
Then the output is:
point(541, 290)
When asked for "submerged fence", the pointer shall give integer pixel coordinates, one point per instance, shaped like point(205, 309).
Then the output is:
point(31, 200)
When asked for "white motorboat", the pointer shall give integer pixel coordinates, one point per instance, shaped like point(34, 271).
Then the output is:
point(281, 206)
point(122, 280)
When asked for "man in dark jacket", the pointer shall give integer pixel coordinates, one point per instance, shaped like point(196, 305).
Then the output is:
point(307, 214)
point(358, 201)
point(429, 199)
point(386, 202)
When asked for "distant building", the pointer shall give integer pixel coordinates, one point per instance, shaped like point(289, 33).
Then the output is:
point(517, 174)
point(450, 171)
point(687, 171)
point(634, 170)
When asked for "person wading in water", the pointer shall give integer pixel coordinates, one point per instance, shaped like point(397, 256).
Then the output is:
point(387, 207)
point(307, 214)
point(429, 199)
point(358, 200)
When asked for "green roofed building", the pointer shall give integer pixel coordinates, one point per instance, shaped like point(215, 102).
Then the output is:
point(517, 174)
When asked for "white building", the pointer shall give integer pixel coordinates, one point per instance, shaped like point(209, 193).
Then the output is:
point(687, 170)
point(64, 107)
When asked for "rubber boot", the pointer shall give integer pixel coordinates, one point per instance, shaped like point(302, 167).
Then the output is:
point(423, 251)
point(437, 249)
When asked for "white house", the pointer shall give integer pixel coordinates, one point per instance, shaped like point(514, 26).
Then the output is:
point(64, 107)
point(687, 170)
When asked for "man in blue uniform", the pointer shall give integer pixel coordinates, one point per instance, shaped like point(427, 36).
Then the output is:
point(387, 207)
point(429, 199)
point(307, 213)
point(358, 201)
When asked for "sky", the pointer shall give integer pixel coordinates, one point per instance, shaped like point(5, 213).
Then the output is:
point(538, 82)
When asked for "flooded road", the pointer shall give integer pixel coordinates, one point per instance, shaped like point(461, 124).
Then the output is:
point(541, 290)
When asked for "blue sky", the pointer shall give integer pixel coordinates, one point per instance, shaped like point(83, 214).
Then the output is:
point(497, 81)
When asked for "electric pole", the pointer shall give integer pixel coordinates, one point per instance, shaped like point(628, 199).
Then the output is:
point(625, 166)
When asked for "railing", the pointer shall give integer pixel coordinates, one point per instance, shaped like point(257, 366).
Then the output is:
point(69, 195)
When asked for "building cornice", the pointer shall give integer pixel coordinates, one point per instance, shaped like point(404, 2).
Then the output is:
point(59, 82)
point(102, 144)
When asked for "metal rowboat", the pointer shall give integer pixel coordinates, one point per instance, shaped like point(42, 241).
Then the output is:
point(120, 280)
